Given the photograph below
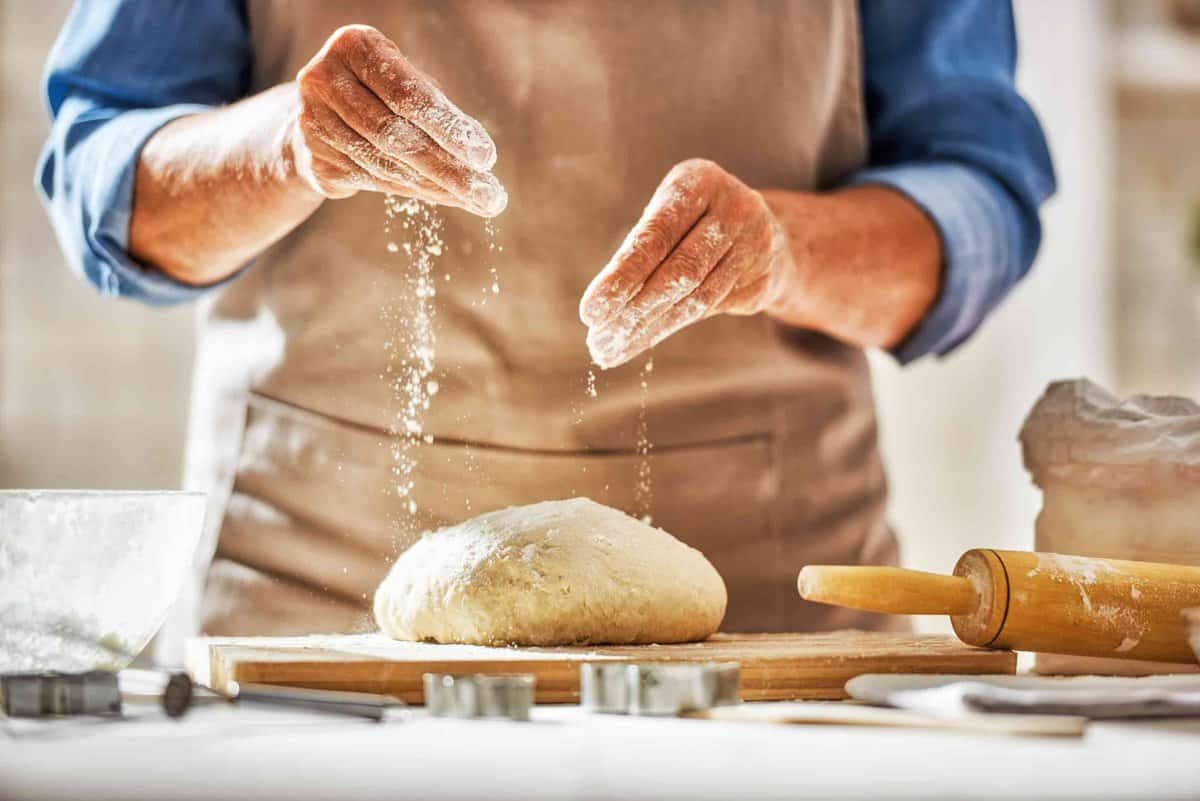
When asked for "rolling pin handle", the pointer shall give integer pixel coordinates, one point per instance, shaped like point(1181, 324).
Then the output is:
point(891, 590)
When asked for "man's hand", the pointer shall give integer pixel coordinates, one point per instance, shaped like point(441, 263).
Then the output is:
point(862, 265)
point(706, 244)
point(215, 188)
point(368, 119)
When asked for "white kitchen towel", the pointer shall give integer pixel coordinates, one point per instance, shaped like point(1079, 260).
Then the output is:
point(1095, 697)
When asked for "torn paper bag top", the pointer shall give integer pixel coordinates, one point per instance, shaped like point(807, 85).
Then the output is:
point(1080, 433)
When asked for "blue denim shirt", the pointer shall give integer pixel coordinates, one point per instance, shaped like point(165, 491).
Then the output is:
point(946, 125)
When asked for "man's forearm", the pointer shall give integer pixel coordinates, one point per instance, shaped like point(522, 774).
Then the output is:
point(866, 264)
point(213, 190)
point(862, 265)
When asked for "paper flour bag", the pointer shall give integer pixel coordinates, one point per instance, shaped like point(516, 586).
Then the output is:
point(1119, 479)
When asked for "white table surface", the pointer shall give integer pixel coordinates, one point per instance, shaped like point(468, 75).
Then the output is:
point(219, 752)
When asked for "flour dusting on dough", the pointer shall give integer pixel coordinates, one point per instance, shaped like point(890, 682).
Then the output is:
point(553, 573)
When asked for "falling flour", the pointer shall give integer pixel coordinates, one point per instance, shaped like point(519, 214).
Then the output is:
point(408, 319)
point(493, 287)
point(643, 489)
point(410, 345)
point(489, 228)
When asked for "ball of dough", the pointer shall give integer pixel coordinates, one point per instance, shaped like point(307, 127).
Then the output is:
point(554, 573)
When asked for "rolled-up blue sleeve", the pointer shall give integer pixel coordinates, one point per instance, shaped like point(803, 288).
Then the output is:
point(120, 70)
point(948, 129)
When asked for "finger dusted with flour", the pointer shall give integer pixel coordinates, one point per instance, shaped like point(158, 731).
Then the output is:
point(706, 244)
point(675, 207)
point(413, 96)
point(368, 119)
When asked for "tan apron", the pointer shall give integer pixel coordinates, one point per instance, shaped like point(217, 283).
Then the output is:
point(764, 439)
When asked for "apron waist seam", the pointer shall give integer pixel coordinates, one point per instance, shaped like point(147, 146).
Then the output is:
point(454, 442)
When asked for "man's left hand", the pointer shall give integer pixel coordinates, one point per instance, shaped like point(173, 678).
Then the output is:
point(706, 244)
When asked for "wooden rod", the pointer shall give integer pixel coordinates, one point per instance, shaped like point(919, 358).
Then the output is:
point(892, 590)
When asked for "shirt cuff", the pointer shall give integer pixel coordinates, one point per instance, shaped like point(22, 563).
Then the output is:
point(107, 206)
point(981, 235)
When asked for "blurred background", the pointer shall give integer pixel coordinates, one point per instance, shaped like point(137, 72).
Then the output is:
point(94, 393)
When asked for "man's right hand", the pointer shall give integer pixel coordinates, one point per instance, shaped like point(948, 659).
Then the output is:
point(368, 119)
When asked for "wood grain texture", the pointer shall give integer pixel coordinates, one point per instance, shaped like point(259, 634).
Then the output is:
point(1092, 607)
point(775, 667)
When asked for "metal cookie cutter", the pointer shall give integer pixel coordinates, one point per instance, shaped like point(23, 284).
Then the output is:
point(479, 696)
point(39, 695)
point(657, 688)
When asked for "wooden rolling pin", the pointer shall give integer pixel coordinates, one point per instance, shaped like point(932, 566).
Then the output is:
point(1032, 601)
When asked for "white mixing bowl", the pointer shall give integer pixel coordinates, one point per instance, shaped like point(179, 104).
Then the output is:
point(87, 577)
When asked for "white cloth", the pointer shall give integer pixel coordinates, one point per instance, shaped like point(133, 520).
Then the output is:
point(1094, 697)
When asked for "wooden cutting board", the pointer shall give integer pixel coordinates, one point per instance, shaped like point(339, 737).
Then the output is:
point(774, 667)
